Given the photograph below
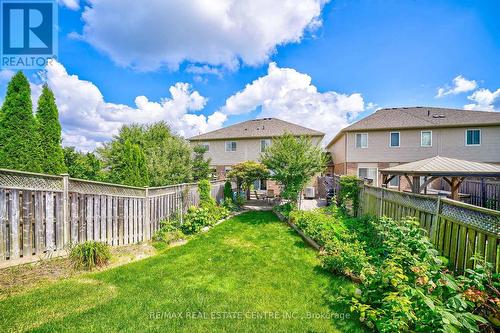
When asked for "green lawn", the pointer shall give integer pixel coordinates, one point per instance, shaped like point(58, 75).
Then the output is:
point(248, 274)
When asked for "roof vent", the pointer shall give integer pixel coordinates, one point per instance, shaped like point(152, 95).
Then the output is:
point(438, 116)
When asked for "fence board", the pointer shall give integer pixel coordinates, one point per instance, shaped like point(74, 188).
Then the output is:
point(49, 222)
point(3, 224)
point(26, 220)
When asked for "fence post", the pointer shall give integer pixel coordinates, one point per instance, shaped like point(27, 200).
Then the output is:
point(381, 208)
point(65, 215)
point(147, 218)
point(434, 227)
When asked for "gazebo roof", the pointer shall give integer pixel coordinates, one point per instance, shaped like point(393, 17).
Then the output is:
point(444, 166)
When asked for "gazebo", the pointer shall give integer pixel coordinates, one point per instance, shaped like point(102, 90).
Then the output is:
point(452, 171)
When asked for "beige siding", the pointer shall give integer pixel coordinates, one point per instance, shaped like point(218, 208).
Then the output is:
point(338, 150)
point(247, 149)
point(448, 142)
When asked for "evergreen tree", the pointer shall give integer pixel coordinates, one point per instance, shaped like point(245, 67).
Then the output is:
point(49, 129)
point(19, 138)
point(82, 166)
point(201, 166)
point(130, 167)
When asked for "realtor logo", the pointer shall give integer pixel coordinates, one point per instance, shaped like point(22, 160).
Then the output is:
point(28, 33)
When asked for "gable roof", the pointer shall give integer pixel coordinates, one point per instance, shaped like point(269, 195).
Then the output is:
point(257, 128)
point(445, 166)
point(421, 117)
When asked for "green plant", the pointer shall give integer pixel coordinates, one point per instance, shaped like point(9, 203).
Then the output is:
point(228, 191)
point(246, 173)
point(201, 166)
point(49, 129)
point(240, 200)
point(89, 255)
point(408, 286)
point(293, 161)
point(169, 232)
point(286, 209)
point(19, 138)
point(349, 193)
point(204, 188)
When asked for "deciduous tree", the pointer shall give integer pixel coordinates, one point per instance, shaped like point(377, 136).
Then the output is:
point(246, 173)
point(293, 161)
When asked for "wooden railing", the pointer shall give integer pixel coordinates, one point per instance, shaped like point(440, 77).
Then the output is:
point(458, 230)
point(40, 215)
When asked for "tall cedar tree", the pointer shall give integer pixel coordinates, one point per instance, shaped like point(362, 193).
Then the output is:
point(201, 166)
point(49, 128)
point(19, 138)
point(130, 168)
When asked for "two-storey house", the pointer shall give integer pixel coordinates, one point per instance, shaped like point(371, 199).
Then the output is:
point(246, 141)
point(393, 136)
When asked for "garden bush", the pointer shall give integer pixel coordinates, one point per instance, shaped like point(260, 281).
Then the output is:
point(285, 209)
point(228, 191)
point(169, 232)
point(403, 284)
point(89, 255)
point(349, 193)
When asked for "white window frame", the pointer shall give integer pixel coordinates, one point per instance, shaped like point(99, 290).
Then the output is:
point(356, 141)
point(480, 137)
point(266, 140)
point(375, 181)
point(235, 146)
point(421, 136)
point(390, 139)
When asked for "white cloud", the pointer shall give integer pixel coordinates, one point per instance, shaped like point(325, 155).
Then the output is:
point(460, 85)
point(219, 33)
point(71, 4)
point(88, 120)
point(6, 75)
point(484, 100)
point(289, 95)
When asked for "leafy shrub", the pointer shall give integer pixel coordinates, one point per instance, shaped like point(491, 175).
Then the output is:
point(409, 288)
point(199, 217)
point(89, 255)
point(319, 226)
point(229, 205)
point(228, 191)
point(404, 284)
point(204, 188)
point(169, 232)
point(285, 209)
point(349, 193)
point(240, 199)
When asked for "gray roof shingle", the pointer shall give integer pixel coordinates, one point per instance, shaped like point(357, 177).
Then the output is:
point(257, 128)
point(421, 117)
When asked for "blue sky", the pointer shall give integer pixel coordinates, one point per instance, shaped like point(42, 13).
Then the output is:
point(363, 55)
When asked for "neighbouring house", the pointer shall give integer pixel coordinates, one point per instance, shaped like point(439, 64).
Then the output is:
point(246, 141)
point(393, 136)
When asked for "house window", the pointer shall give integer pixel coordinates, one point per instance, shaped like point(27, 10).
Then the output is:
point(362, 140)
point(473, 137)
point(394, 139)
point(426, 138)
point(368, 173)
point(394, 182)
point(230, 146)
point(264, 144)
point(206, 146)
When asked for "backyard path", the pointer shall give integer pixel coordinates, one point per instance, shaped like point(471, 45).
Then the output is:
point(248, 274)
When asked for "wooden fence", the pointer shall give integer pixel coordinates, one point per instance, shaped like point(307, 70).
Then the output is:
point(40, 215)
point(483, 192)
point(458, 230)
